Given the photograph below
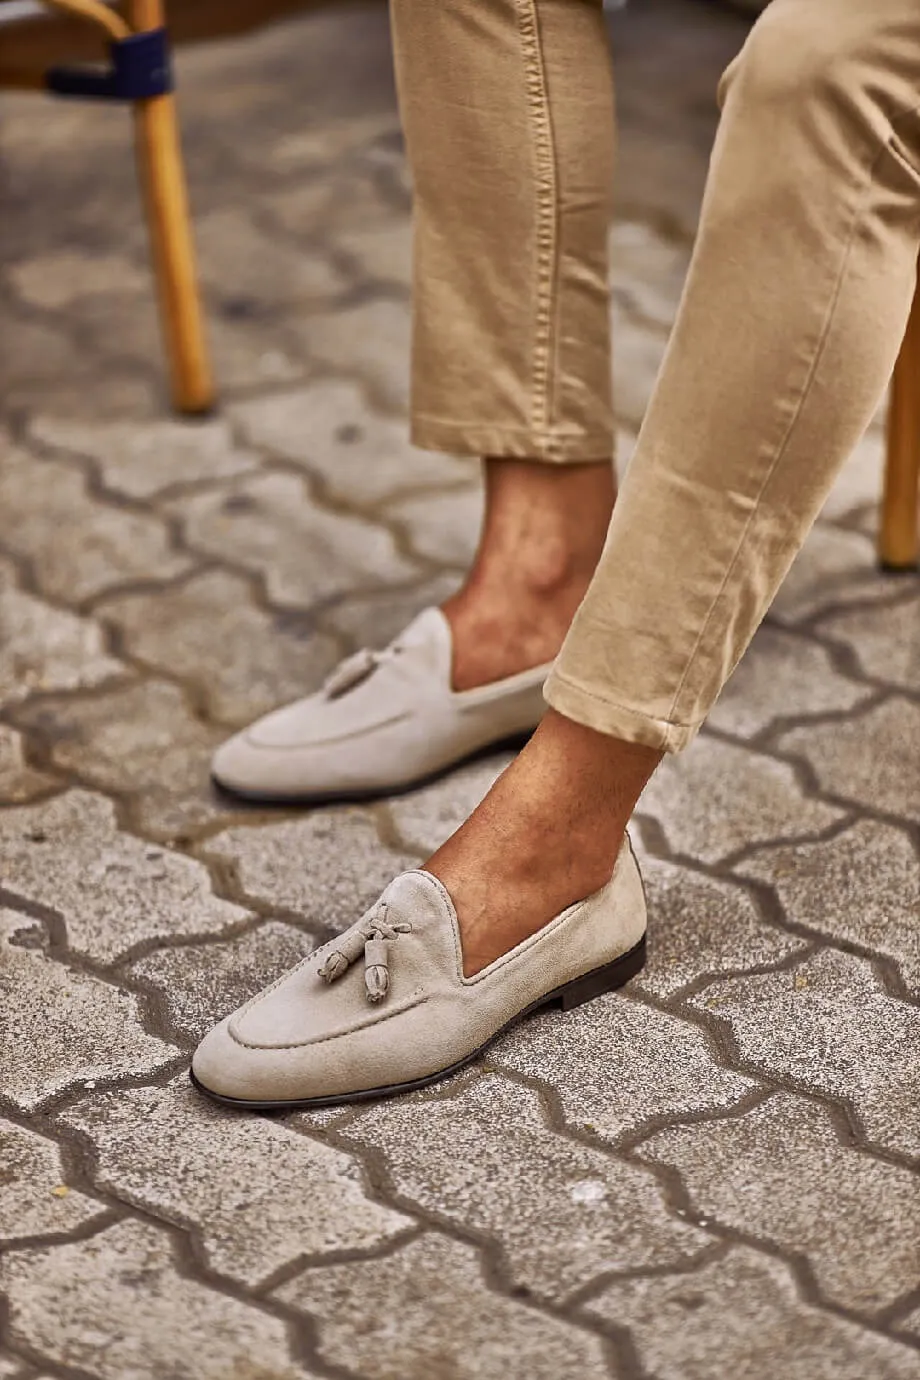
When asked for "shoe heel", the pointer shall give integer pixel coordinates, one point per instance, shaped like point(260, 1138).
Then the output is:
point(606, 979)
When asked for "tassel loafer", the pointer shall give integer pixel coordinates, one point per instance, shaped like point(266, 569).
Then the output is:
point(383, 721)
point(385, 1008)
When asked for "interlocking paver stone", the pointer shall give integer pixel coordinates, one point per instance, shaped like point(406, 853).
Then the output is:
point(34, 1199)
point(106, 546)
point(781, 1173)
point(451, 1156)
point(56, 280)
point(259, 1194)
point(115, 328)
point(255, 350)
point(142, 742)
point(239, 258)
point(615, 1064)
point(647, 271)
point(305, 149)
point(116, 1306)
point(443, 527)
point(59, 1026)
point(328, 866)
point(425, 1312)
point(911, 1325)
point(862, 887)
point(369, 342)
point(856, 487)
point(113, 890)
point(43, 648)
point(241, 660)
point(782, 675)
point(202, 983)
point(361, 457)
point(41, 348)
point(345, 198)
point(638, 349)
point(717, 798)
point(699, 925)
point(45, 366)
point(140, 459)
point(885, 639)
point(18, 781)
point(307, 555)
point(872, 758)
point(830, 1026)
point(35, 138)
point(11, 1369)
point(743, 1316)
point(833, 567)
point(382, 253)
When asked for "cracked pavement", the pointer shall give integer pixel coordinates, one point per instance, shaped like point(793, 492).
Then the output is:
point(716, 1172)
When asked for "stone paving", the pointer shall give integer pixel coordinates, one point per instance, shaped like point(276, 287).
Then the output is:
point(716, 1173)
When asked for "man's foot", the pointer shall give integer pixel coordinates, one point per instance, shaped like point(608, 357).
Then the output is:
point(384, 721)
point(385, 1007)
point(547, 835)
point(458, 680)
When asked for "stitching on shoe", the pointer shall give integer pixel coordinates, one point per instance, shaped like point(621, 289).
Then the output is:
point(350, 736)
point(384, 1014)
point(313, 958)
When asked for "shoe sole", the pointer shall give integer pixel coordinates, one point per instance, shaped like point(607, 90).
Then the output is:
point(514, 742)
point(608, 978)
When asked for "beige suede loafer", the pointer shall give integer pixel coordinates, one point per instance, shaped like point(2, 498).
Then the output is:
point(385, 1008)
point(383, 721)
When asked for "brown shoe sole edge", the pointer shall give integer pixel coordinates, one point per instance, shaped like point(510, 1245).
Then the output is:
point(571, 995)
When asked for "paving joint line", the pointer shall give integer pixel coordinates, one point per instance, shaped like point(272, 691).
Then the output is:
point(492, 1256)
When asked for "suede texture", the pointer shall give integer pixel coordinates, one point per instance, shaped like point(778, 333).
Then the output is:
point(398, 723)
point(304, 1038)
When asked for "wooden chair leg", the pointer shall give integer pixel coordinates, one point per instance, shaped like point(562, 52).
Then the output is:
point(899, 538)
point(162, 176)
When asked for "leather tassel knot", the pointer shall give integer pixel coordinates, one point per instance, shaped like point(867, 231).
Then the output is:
point(372, 937)
point(349, 674)
point(354, 670)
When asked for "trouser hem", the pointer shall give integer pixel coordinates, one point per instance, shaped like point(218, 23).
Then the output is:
point(616, 720)
point(519, 443)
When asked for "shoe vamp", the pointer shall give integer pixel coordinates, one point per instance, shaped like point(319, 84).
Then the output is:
point(386, 698)
point(305, 1009)
point(427, 1000)
point(399, 1041)
point(302, 1008)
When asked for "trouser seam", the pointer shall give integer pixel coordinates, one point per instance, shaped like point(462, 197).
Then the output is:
point(546, 209)
point(783, 446)
point(896, 120)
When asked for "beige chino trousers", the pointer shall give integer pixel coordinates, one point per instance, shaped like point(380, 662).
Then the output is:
point(791, 318)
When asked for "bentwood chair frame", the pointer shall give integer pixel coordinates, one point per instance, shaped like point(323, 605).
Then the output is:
point(139, 73)
point(899, 534)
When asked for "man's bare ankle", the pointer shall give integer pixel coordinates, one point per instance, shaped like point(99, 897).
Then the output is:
point(502, 627)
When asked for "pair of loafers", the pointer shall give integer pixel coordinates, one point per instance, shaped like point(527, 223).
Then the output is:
point(386, 1007)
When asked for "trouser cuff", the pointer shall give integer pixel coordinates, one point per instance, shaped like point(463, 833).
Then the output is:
point(615, 719)
point(477, 439)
